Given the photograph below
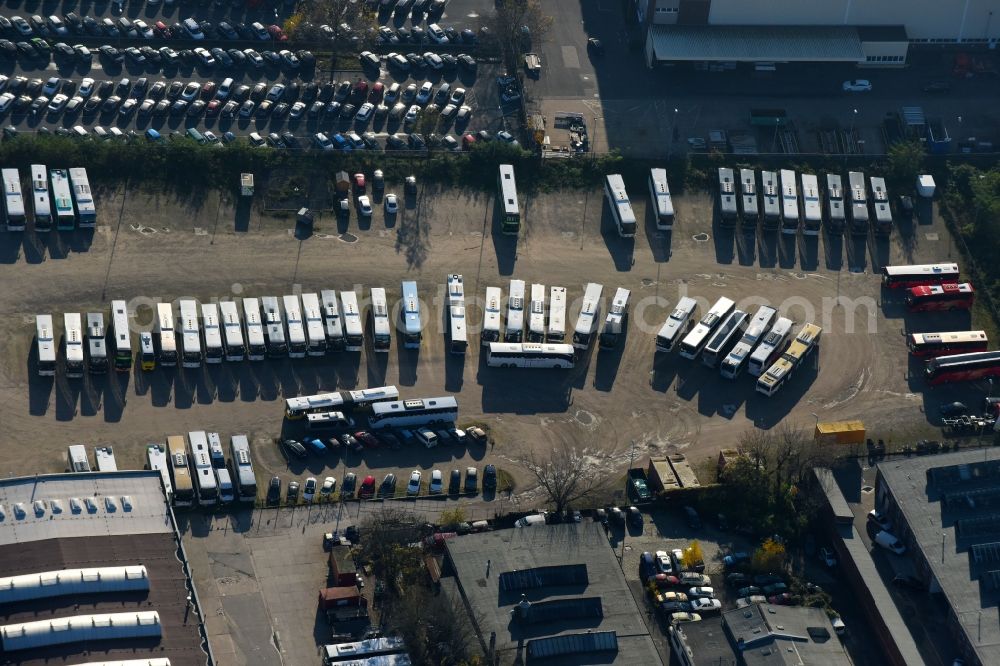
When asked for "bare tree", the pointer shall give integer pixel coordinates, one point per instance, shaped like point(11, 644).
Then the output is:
point(385, 539)
point(436, 627)
point(518, 25)
point(568, 475)
point(353, 22)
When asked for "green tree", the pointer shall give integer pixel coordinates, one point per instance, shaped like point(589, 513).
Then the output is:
point(517, 25)
point(769, 558)
point(906, 161)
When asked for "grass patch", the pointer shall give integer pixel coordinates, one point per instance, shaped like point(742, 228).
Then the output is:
point(505, 482)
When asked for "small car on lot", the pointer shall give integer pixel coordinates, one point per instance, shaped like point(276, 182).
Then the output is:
point(309, 490)
point(471, 480)
point(328, 487)
point(437, 482)
point(367, 489)
point(292, 494)
point(388, 486)
point(857, 85)
point(706, 605)
point(391, 204)
point(350, 481)
point(701, 592)
point(413, 487)
point(274, 490)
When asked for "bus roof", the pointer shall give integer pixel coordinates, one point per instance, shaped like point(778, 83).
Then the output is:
point(590, 308)
point(403, 406)
point(921, 270)
point(411, 307)
point(508, 189)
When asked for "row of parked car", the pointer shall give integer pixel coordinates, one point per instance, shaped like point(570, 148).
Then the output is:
point(125, 28)
point(362, 439)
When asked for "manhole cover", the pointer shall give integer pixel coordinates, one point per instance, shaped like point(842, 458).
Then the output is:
point(867, 489)
point(646, 282)
point(931, 236)
point(349, 238)
point(701, 238)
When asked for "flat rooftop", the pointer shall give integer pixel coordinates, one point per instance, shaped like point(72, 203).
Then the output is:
point(756, 43)
point(791, 635)
point(584, 569)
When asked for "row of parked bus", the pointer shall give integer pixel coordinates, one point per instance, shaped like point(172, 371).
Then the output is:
point(195, 470)
point(794, 202)
point(621, 208)
point(59, 197)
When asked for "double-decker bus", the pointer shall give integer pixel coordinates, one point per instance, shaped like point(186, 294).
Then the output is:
point(659, 195)
point(904, 277)
point(156, 457)
point(315, 333)
point(771, 347)
point(13, 200)
point(62, 198)
point(491, 316)
point(407, 413)
point(621, 207)
point(354, 334)
point(206, 487)
point(515, 312)
point(557, 314)
point(771, 192)
point(510, 212)
point(736, 359)
point(836, 219)
point(530, 355)
point(121, 335)
point(536, 314)
point(190, 334)
point(332, 321)
point(297, 408)
point(880, 202)
point(243, 476)
point(73, 337)
point(97, 347)
point(678, 324)
point(274, 329)
point(42, 206)
point(728, 333)
point(812, 211)
point(590, 313)
point(297, 345)
point(232, 330)
point(166, 334)
point(616, 320)
point(409, 313)
point(962, 367)
point(859, 203)
point(789, 202)
point(701, 334)
point(381, 330)
point(212, 332)
point(458, 334)
point(256, 345)
point(940, 297)
point(180, 472)
point(147, 351)
point(778, 374)
point(748, 195)
point(728, 211)
point(86, 212)
point(946, 343)
point(45, 339)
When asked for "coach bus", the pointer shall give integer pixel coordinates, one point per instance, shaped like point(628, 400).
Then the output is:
point(735, 361)
point(331, 320)
point(212, 333)
point(678, 324)
point(530, 355)
point(859, 203)
point(748, 195)
point(904, 277)
point(205, 484)
point(297, 345)
point(243, 476)
point(491, 316)
point(147, 351)
point(514, 332)
point(190, 334)
point(381, 330)
point(946, 344)
point(663, 204)
point(45, 339)
point(771, 347)
point(536, 314)
point(835, 218)
point(180, 472)
point(313, 317)
point(812, 212)
point(121, 336)
point(590, 312)
point(13, 200)
point(728, 334)
point(771, 192)
point(156, 457)
point(42, 206)
point(97, 344)
point(880, 202)
point(410, 315)
point(510, 214)
point(73, 337)
point(232, 330)
point(297, 408)
point(616, 321)
point(621, 208)
point(778, 374)
point(274, 328)
point(354, 332)
point(789, 202)
point(701, 334)
point(256, 345)
point(62, 198)
point(458, 334)
point(962, 367)
point(166, 334)
point(85, 210)
point(557, 314)
point(407, 413)
point(940, 297)
point(728, 211)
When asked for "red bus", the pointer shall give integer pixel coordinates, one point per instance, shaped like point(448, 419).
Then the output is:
point(946, 344)
point(940, 297)
point(900, 277)
point(962, 367)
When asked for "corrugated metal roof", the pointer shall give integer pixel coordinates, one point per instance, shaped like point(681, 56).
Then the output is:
point(756, 43)
point(596, 641)
point(73, 581)
point(528, 579)
point(79, 628)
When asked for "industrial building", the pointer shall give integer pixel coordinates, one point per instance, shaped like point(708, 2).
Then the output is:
point(92, 571)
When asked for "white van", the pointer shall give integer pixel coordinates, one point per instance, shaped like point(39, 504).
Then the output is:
point(890, 542)
point(427, 437)
point(528, 521)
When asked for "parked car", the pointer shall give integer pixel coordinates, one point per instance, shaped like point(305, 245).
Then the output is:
point(749, 590)
point(634, 517)
point(388, 487)
point(858, 85)
point(879, 519)
point(328, 487)
point(471, 480)
point(738, 557)
point(888, 541)
point(309, 490)
point(455, 482)
point(292, 494)
point(701, 592)
point(706, 605)
point(680, 618)
point(413, 487)
point(692, 517)
point(647, 565)
point(274, 490)
point(350, 481)
point(367, 487)
point(436, 484)
point(295, 448)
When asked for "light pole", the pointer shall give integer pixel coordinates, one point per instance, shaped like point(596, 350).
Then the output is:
point(850, 135)
point(673, 134)
point(631, 459)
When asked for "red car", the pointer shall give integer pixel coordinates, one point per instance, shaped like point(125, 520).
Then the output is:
point(208, 90)
point(360, 90)
point(277, 33)
point(664, 581)
point(467, 141)
point(783, 599)
point(376, 93)
point(161, 29)
point(367, 487)
point(367, 438)
point(213, 108)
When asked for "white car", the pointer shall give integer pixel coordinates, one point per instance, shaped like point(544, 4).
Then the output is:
point(413, 487)
point(859, 85)
point(365, 112)
point(6, 100)
point(663, 562)
point(297, 110)
point(706, 605)
point(147, 106)
point(57, 103)
point(701, 592)
point(411, 115)
point(424, 94)
point(458, 96)
point(322, 141)
point(391, 204)
point(309, 490)
point(207, 59)
point(329, 485)
point(190, 92)
point(86, 88)
point(254, 57)
point(365, 205)
point(143, 28)
point(437, 481)
point(463, 115)
point(436, 34)
point(433, 60)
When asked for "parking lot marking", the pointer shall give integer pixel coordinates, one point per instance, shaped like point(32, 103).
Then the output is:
point(571, 59)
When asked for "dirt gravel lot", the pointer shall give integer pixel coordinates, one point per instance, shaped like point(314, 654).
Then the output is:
point(151, 246)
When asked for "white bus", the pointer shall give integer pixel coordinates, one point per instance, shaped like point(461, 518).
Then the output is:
point(491, 316)
point(354, 332)
point(621, 208)
point(617, 319)
point(410, 315)
point(663, 204)
point(303, 405)
point(771, 191)
point(798, 351)
point(156, 456)
point(256, 345)
point(190, 333)
point(381, 330)
point(297, 345)
point(728, 211)
point(166, 334)
point(859, 203)
point(147, 351)
point(180, 471)
point(530, 355)
point(748, 191)
point(97, 344)
point(406, 413)
point(73, 336)
point(212, 332)
point(45, 339)
point(274, 329)
point(771, 347)
point(239, 457)
point(557, 314)
point(836, 218)
point(458, 340)
point(223, 480)
point(232, 329)
point(734, 362)
point(40, 198)
point(201, 469)
point(121, 336)
point(510, 215)
point(85, 210)
point(695, 341)
point(880, 202)
point(789, 203)
point(315, 333)
point(812, 211)
point(515, 312)
point(678, 323)
point(13, 200)
point(62, 197)
point(590, 312)
point(332, 321)
point(728, 333)
point(104, 459)
point(536, 314)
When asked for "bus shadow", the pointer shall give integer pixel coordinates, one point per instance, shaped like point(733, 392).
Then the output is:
point(508, 390)
point(92, 394)
point(767, 248)
point(857, 254)
point(227, 383)
point(241, 214)
point(185, 387)
point(208, 383)
point(579, 372)
point(504, 245)
point(766, 412)
point(34, 248)
point(725, 396)
point(454, 371)
point(406, 364)
point(287, 377)
point(57, 244)
point(115, 396)
point(39, 388)
point(82, 240)
point(809, 252)
point(725, 240)
point(658, 239)
point(692, 379)
point(786, 250)
point(10, 246)
point(664, 371)
point(347, 366)
point(880, 246)
point(161, 386)
point(67, 394)
point(608, 362)
point(141, 379)
point(622, 250)
point(746, 246)
point(833, 247)
point(267, 380)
